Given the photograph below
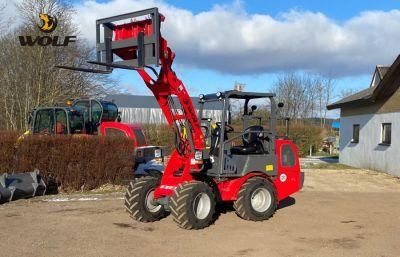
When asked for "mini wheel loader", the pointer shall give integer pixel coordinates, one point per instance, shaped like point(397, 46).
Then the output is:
point(212, 163)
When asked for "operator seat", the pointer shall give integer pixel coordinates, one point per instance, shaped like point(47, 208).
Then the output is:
point(252, 144)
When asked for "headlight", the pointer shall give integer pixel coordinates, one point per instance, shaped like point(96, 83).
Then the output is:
point(219, 94)
point(157, 153)
point(201, 96)
point(198, 155)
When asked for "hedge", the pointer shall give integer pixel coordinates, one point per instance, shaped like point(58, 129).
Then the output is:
point(74, 163)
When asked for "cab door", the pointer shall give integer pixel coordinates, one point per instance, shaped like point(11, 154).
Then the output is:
point(44, 122)
point(289, 178)
point(62, 124)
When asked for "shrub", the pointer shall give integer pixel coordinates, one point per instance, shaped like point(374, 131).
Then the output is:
point(75, 163)
point(159, 134)
point(304, 136)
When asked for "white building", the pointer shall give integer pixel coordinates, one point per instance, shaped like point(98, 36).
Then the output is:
point(370, 123)
point(144, 109)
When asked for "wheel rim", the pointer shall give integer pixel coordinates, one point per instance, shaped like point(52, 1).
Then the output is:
point(149, 202)
point(261, 199)
point(201, 206)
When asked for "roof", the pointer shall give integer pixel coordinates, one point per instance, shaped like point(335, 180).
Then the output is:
point(236, 95)
point(148, 101)
point(382, 70)
point(389, 82)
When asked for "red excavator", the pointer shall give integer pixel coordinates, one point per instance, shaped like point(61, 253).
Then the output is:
point(212, 162)
point(83, 116)
point(88, 117)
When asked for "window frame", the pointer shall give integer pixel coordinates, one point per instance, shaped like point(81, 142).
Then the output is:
point(355, 140)
point(383, 141)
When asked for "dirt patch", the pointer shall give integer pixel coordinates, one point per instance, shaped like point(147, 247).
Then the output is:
point(334, 215)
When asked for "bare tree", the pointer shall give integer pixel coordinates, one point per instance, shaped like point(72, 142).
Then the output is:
point(305, 96)
point(347, 92)
point(27, 75)
point(328, 86)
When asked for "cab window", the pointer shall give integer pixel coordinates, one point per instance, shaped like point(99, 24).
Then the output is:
point(83, 107)
point(140, 138)
point(288, 158)
point(96, 112)
point(110, 112)
point(113, 132)
point(76, 122)
point(61, 122)
point(44, 122)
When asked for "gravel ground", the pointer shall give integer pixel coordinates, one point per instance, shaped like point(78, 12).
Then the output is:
point(338, 213)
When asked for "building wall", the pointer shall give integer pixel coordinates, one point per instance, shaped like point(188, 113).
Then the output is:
point(367, 153)
point(155, 115)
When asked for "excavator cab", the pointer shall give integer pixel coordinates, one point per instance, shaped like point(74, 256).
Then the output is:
point(95, 112)
point(80, 116)
point(56, 121)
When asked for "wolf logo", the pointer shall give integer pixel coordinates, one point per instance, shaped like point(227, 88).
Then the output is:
point(49, 23)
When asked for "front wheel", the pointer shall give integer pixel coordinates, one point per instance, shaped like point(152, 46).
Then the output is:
point(193, 205)
point(256, 200)
point(139, 200)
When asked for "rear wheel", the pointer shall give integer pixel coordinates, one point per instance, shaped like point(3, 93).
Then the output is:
point(256, 200)
point(139, 200)
point(193, 205)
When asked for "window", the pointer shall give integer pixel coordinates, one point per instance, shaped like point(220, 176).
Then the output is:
point(110, 112)
point(97, 112)
point(76, 122)
point(288, 157)
point(140, 138)
point(356, 133)
point(61, 122)
point(113, 132)
point(386, 137)
point(83, 107)
point(44, 122)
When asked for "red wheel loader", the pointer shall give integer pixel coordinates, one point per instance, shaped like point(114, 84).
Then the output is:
point(212, 163)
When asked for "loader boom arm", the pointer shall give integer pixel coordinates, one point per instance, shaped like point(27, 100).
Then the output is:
point(137, 44)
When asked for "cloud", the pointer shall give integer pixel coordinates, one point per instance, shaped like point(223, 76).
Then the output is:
point(229, 40)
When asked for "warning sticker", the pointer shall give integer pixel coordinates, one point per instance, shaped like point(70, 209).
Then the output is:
point(269, 167)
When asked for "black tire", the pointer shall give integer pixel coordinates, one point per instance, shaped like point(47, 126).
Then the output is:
point(136, 202)
point(259, 210)
point(188, 197)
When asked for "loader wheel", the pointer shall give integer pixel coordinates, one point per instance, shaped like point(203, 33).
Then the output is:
point(193, 205)
point(139, 200)
point(256, 200)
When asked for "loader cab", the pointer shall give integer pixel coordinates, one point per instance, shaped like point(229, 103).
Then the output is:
point(56, 121)
point(243, 140)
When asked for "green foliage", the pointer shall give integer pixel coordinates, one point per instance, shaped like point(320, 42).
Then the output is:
point(305, 136)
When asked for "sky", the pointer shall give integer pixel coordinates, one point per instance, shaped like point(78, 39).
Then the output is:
point(218, 43)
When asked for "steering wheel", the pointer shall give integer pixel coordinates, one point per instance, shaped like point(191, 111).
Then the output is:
point(228, 128)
